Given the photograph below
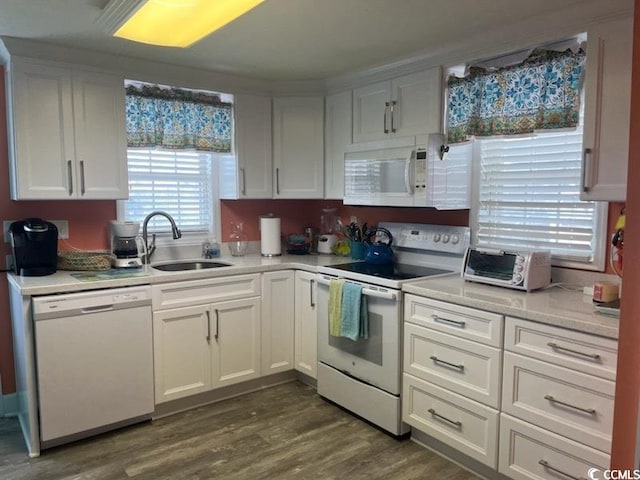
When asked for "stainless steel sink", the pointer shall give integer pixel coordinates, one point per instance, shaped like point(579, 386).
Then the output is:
point(180, 266)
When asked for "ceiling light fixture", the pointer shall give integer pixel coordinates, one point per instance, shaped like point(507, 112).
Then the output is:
point(170, 23)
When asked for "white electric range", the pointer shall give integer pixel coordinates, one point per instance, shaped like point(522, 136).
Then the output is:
point(364, 375)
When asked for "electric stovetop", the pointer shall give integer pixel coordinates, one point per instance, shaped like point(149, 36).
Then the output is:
point(394, 271)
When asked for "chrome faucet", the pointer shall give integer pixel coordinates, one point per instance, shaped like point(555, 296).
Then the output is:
point(150, 248)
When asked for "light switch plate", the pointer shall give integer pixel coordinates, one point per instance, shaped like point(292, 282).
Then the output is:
point(62, 225)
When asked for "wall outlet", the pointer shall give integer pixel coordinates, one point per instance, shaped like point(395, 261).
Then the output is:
point(9, 262)
point(62, 225)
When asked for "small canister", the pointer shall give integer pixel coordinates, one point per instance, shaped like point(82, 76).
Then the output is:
point(605, 292)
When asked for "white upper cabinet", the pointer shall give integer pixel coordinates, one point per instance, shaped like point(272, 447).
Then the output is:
point(66, 133)
point(253, 146)
point(607, 111)
point(337, 136)
point(298, 147)
point(405, 106)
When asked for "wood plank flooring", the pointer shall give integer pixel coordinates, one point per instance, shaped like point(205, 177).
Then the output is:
point(283, 432)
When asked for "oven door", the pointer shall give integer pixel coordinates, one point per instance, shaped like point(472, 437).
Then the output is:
point(375, 360)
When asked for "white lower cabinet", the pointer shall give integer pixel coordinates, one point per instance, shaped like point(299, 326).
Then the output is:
point(201, 345)
point(528, 452)
point(306, 324)
point(466, 425)
point(538, 406)
point(452, 375)
point(235, 341)
point(181, 353)
point(277, 321)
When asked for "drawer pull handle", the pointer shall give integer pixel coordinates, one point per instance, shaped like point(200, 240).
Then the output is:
point(547, 465)
point(455, 323)
point(590, 411)
point(455, 423)
point(448, 364)
point(555, 346)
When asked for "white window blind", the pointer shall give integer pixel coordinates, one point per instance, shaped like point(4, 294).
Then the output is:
point(529, 196)
point(176, 181)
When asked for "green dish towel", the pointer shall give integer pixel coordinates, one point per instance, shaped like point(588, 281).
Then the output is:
point(335, 307)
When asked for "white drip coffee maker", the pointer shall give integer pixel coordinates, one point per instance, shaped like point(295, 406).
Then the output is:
point(126, 244)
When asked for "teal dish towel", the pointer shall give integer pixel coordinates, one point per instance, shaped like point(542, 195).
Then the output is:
point(354, 318)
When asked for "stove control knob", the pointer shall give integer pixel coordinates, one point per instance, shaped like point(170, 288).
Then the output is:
point(436, 237)
point(455, 238)
point(445, 238)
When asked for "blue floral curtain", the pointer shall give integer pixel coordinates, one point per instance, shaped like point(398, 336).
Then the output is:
point(177, 119)
point(543, 92)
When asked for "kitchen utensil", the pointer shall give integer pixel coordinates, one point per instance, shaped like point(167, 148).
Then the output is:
point(379, 253)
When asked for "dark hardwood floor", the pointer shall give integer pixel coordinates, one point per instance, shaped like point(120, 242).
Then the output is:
point(285, 432)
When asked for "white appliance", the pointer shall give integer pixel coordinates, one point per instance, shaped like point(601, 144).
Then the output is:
point(407, 175)
point(94, 362)
point(326, 242)
point(126, 244)
point(521, 270)
point(364, 376)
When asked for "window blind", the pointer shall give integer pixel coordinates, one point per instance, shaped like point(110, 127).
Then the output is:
point(176, 181)
point(529, 196)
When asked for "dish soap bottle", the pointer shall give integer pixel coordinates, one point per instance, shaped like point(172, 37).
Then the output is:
point(237, 240)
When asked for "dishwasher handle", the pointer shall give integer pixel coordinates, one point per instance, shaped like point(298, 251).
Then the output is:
point(97, 308)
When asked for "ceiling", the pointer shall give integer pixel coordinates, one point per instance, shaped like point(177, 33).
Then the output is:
point(289, 40)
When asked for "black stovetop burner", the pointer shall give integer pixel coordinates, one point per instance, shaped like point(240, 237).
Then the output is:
point(393, 271)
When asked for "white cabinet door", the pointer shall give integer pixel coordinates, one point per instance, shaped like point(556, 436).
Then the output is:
point(607, 111)
point(235, 340)
point(67, 133)
point(371, 112)
point(277, 321)
point(405, 106)
point(306, 324)
point(298, 147)
point(418, 103)
point(337, 129)
point(253, 146)
point(181, 352)
point(101, 143)
point(41, 136)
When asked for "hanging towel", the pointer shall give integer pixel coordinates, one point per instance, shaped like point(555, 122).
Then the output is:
point(335, 307)
point(354, 316)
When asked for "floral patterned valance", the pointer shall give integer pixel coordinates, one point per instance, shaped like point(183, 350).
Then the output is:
point(543, 92)
point(177, 119)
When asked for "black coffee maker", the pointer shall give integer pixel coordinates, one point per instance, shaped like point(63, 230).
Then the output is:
point(35, 247)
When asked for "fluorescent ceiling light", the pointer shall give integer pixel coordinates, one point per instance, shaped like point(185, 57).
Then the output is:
point(170, 23)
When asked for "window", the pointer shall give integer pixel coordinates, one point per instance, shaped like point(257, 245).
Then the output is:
point(176, 139)
point(526, 184)
point(527, 196)
point(177, 181)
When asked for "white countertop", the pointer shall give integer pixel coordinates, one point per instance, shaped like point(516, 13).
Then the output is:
point(64, 282)
point(554, 306)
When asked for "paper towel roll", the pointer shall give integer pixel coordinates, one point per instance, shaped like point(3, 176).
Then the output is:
point(270, 245)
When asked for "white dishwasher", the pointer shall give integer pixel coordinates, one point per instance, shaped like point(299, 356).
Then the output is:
point(94, 357)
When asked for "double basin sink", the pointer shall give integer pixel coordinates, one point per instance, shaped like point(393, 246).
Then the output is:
point(189, 265)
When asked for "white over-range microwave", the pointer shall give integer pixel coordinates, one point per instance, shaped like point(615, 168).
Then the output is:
point(403, 174)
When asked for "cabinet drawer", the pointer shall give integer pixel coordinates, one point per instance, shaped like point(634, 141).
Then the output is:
point(570, 403)
point(579, 351)
point(463, 424)
point(483, 327)
point(193, 292)
point(531, 453)
point(465, 367)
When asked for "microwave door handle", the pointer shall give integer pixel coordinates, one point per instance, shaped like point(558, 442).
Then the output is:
point(408, 181)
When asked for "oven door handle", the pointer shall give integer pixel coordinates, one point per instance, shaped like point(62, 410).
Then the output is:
point(365, 291)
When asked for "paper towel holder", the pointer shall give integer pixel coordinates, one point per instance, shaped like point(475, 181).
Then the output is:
point(270, 242)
